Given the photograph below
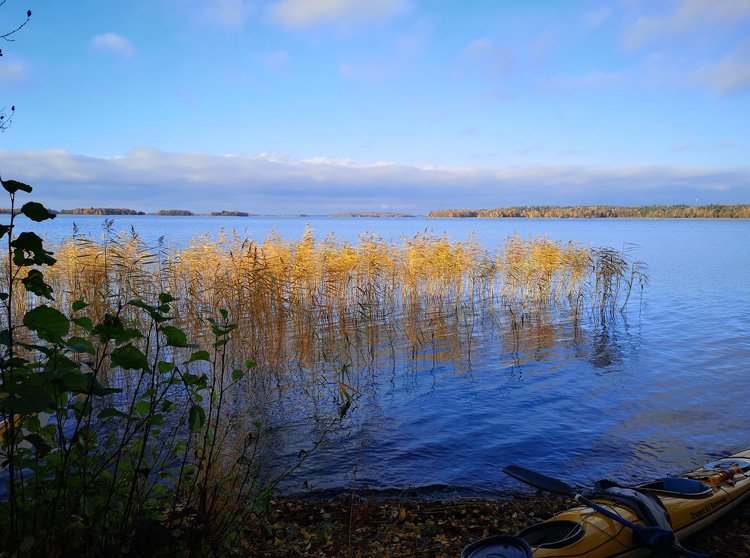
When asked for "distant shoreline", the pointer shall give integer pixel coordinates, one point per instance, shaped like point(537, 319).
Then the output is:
point(714, 211)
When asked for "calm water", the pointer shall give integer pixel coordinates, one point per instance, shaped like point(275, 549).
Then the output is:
point(658, 391)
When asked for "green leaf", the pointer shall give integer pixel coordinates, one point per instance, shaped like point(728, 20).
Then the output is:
point(199, 355)
point(250, 364)
point(113, 328)
point(152, 311)
point(32, 424)
point(28, 543)
point(165, 298)
point(79, 305)
point(41, 445)
point(50, 324)
point(28, 242)
point(179, 447)
point(223, 313)
point(129, 358)
point(26, 401)
point(36, 212)
point(221, 331)
point(34, 283)
point(13, 186)
point(4, 229)
point(237, 374)
point(99, 390)
point(196, 417)
point(80, 345)
point(175, 336)
point(168, 407)
point(164, 367)
point(142, 407)
point(84, 322)
point(106, 413)
point(73, 381)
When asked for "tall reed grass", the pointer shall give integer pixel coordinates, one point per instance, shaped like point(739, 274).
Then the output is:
point(287, 295)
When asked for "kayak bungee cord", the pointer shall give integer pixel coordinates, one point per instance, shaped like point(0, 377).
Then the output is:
point(660, 540)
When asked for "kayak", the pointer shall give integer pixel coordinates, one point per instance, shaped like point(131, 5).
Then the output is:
point(692, 501)
point(43, 418)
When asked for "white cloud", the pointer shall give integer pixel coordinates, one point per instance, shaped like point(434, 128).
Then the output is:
point(684, 146)
point(689, 16)
point(414, 42)
point(542, 46)
point(530, 149)
point(571, 152)
point(113, 43)
point(491, 59)
point(596, 18)
point(229, 14)
point(221, 14)
point(587, 81)
point(12, 74)
point(148, 179)
point(405, 51)
point(731, 75)
point(308, 13)
point(276, 59)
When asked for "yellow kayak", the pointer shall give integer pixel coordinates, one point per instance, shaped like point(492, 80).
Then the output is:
point(692, 501)
point(4, 426)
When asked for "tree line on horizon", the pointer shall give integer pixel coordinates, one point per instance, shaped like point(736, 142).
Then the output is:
point(712, 211)
point(100, 211)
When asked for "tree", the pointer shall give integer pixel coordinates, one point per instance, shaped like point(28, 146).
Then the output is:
point(7, 117)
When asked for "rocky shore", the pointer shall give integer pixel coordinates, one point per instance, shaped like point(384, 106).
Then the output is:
point(363, 528)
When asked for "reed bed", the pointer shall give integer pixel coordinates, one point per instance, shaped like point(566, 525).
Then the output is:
point(288, 296)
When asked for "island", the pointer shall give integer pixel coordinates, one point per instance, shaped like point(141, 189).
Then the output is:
point(100, 211)
point(228, 214)
point(175, 212)
point(712, 211)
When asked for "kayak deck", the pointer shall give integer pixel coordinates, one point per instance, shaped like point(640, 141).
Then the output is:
point(585, 533)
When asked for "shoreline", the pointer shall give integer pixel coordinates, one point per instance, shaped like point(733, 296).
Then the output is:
point(364, 527)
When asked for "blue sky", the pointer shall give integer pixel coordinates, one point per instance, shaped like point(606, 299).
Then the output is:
point(318, 106)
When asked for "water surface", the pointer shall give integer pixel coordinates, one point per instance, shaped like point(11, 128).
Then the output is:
point(659, 390)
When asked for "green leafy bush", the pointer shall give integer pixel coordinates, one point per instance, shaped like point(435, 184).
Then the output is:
point(141, 469)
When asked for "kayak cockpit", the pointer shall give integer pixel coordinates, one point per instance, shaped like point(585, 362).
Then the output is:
point(678, 488)
point(552, 534)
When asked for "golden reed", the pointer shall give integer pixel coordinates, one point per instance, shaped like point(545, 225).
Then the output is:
point(282, 291)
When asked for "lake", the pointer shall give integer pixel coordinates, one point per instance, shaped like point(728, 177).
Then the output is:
point(658, 390)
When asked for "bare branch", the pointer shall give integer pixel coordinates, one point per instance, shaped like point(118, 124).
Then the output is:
point(16, 30)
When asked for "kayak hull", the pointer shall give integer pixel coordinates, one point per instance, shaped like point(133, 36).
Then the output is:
point(597, 536)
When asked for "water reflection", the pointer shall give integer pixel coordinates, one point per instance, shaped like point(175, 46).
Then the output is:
point(439, 395)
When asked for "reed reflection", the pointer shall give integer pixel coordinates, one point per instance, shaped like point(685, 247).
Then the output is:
point(333, 322)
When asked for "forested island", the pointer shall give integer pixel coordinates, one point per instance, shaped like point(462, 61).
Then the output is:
point(100, 211)
point(175, 212)
point(712, 211)
point(228, 214)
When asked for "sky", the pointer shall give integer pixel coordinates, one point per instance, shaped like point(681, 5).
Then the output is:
point(322, 106)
